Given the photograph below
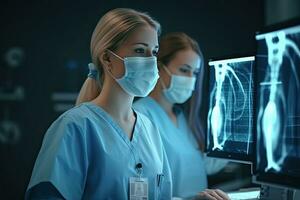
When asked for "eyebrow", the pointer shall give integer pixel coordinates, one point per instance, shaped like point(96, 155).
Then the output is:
point(187, 66)
point(190, 67)
point(144, 44)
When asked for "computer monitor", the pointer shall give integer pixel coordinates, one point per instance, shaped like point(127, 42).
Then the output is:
point(230, 114)
point(277, 106)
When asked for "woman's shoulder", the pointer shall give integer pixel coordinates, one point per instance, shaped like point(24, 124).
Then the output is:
point(77, 116)
point(80, 112)
point(147, 106)
point(143, 118)
point(142, 102)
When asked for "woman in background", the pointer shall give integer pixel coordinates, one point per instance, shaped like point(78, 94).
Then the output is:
point(180, 63)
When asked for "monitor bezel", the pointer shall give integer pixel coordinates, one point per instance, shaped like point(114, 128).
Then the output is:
point(235, 157)
point(269, 178)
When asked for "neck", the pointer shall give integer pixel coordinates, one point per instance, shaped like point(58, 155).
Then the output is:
point(115, 101)
point(157, 94)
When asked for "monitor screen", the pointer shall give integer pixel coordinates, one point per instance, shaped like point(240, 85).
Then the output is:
point(230, 113)
point(277, 106)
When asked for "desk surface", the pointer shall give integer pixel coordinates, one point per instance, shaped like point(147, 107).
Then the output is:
point(251, 194)
point(243, 194)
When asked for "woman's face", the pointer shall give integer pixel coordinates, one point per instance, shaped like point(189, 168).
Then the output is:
point(185, 63)
point(143, 42)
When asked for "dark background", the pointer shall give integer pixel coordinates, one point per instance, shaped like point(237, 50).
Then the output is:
point(45, 51)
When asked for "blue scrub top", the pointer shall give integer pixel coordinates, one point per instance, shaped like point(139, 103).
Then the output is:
point(185, 158)
point(86, 155)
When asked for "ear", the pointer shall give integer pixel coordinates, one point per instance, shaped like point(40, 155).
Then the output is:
point(105, 60)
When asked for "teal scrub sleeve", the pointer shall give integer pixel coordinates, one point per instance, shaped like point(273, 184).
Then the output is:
point(62, 161)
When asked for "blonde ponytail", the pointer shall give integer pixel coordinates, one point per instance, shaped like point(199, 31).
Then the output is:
point(90, 88)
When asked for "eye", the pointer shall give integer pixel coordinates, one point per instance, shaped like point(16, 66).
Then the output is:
point(184, 70)
point(189, 71)
point(139, 50)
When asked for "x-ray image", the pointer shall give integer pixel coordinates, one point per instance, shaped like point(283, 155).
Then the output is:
point(278, 102)
point(230, 113)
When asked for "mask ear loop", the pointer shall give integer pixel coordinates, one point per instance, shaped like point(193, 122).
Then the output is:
point(160, 79)
point(115, 55)
point(109, 69)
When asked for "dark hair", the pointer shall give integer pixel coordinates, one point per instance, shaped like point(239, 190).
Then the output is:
point(169, 45)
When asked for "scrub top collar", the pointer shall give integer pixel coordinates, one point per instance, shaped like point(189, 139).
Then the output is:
point(108, 118)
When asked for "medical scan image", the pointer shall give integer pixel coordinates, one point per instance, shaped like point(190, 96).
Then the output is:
point(230, 114)
point(278, 102)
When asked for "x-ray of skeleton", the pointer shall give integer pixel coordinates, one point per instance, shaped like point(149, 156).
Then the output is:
point(278, 102)
point(230, 112)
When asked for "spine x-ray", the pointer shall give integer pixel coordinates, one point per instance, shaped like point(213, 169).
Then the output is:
point(230, 113)
point(278, 109)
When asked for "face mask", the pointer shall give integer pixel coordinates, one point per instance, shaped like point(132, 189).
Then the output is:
point(141, 75)
point(181, 88)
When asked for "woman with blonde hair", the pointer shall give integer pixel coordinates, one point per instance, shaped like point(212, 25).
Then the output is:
point(104, 149)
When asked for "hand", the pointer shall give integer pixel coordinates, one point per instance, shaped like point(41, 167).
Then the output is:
point(212, 194)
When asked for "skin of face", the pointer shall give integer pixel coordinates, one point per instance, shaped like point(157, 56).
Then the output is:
point(143, 42)
point(185, 63)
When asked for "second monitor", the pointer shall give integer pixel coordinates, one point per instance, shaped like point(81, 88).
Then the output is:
point(230, 115)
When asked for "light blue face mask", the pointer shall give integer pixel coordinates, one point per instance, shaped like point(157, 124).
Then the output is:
point(141, 75)
point(181, 88)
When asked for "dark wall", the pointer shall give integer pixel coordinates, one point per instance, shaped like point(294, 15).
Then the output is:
point(44, 55)
point(280, 10)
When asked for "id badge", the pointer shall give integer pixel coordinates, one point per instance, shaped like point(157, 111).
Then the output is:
point(138, 188)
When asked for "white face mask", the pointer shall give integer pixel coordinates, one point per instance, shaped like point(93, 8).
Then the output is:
point(181, 88)
point(141, 75)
